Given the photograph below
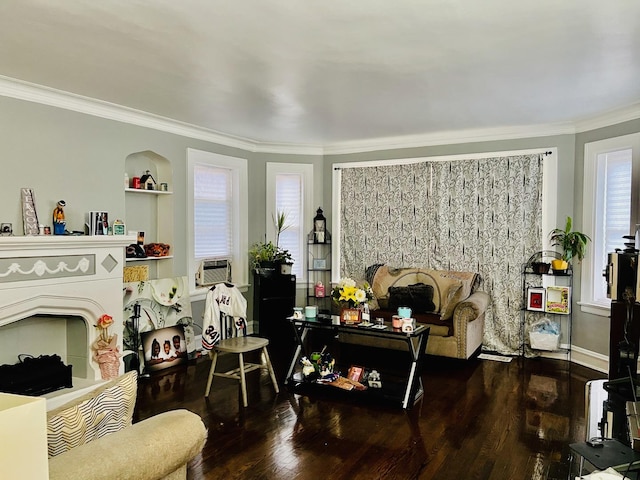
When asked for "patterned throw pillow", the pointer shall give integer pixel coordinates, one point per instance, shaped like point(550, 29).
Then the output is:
point(105, 410)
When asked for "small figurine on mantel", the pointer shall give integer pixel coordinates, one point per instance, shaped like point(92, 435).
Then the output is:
point(59, 222)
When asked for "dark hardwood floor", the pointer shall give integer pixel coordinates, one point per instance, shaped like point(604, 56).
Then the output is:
point(478, 419)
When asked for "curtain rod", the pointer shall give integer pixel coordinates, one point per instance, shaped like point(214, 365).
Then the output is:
point(543, 154)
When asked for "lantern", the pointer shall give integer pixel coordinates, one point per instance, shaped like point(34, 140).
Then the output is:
point(319, 227)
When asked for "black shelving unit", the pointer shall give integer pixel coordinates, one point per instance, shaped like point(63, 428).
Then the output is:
point(536, 276)
point(319, 270)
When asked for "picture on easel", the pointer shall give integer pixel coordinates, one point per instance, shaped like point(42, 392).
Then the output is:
point(164, 348)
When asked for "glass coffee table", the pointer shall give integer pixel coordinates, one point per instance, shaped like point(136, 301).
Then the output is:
point(403, 393)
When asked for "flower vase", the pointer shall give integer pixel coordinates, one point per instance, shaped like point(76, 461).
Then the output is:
point(350, 316)
point(107, 354)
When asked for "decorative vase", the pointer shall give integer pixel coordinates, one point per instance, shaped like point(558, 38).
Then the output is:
point(285, 268)
point(107, 354)
point(559, 265)
point(350, 316)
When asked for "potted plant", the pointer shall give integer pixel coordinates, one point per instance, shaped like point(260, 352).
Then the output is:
point(262, 255)
point(269, 255)
point(573, 244)
point(284, 258)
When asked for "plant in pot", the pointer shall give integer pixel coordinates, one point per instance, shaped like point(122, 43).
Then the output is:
point(262, 255)
point(269, 255)
point(284, 258)
point(572, 243)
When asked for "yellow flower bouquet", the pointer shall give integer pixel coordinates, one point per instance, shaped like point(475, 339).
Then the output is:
point(348, 295)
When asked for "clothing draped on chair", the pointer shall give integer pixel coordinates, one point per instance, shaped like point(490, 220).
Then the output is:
point(225, 315)
point(479, 215)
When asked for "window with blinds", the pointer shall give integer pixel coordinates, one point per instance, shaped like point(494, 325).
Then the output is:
point(217, 212)
point(289, 189)
point(612, 222)
point(212, 206)
point(289, 201)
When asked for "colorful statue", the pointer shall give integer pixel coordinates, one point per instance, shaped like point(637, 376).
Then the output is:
point(59, 222)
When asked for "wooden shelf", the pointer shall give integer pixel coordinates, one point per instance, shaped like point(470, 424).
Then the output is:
point(152, 192)
point(148, 258)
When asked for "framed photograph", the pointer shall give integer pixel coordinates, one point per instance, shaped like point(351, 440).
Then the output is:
point(6, 229)
point(559, 300)
point(355, 373)
point(536, 299)
point(319, 264)
point(164, 348)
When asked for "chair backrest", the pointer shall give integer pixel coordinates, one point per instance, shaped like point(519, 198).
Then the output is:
point(232, 308)
point(594, 398)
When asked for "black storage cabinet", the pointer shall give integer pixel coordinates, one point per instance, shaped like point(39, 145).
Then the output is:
point(274, 296)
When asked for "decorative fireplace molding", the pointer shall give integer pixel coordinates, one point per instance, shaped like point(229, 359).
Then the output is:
point(64, 276)
point(12, 270)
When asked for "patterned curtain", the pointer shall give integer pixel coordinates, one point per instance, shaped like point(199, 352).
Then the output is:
point(481, 215)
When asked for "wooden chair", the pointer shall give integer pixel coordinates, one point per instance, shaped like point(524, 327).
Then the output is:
point(240, 346)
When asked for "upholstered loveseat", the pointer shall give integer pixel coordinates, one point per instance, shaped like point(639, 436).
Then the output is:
point(93, 437)
point(445, 300)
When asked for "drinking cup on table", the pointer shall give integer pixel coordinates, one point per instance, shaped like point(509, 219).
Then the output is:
point(404, 312)
point(311, 311)
point(396, 321)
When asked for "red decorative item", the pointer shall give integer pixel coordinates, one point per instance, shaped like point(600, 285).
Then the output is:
point(319, 290)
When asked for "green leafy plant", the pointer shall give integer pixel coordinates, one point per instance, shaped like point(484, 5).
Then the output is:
point(573, 244)
point(280, 222)
point(264, 253)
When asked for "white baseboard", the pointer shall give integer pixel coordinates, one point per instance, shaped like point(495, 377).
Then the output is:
point(586, 358)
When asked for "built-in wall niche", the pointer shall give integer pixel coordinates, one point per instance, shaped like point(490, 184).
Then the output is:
point(151, 211)
point(47, 335)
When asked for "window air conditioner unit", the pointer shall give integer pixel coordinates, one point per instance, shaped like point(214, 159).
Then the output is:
point(212, 271)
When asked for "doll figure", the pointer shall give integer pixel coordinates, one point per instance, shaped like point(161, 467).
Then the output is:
point(58, 218)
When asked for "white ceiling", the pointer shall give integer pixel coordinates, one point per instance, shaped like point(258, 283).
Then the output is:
point(331, 72)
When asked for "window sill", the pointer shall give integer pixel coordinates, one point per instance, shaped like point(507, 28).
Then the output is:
point(595, 309)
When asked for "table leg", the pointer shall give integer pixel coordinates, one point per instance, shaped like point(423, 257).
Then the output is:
point(301, 333)
point(416, 347)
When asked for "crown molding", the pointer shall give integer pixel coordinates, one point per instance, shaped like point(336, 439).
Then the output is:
point(14, 88)
point(450, 138)
point(611, 117)
point(30, 92)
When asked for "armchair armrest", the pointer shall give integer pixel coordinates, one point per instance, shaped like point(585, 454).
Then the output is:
point(471, 308)
point(151, 449)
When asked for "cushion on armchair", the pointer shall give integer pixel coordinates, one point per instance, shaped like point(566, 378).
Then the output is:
point(105, 410)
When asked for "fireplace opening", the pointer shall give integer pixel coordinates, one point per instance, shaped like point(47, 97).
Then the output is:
point(37, 335)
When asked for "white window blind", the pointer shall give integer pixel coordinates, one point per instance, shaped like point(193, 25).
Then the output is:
point(290, 190)
point(289, 200)
point(213, 207)
point(614, 188)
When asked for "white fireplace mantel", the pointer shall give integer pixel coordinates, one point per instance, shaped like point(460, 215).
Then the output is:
point(65, 276)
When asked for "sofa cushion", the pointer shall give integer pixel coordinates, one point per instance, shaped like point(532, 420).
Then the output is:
point(105, 410)
point(418, 297)
point(468, 282)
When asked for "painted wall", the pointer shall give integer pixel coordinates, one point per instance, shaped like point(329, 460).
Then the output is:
point(80, 158)
point(592, 331)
